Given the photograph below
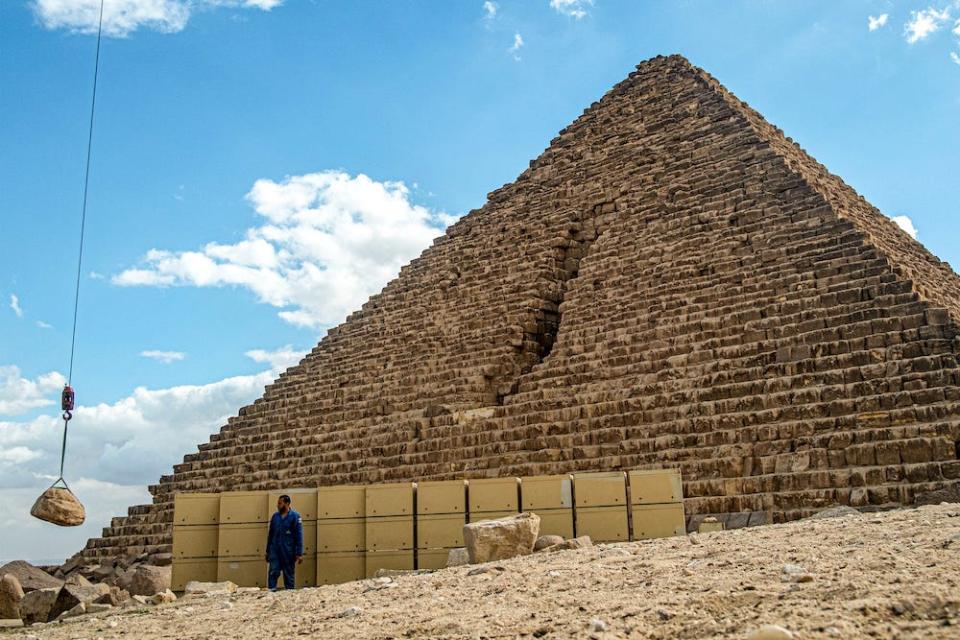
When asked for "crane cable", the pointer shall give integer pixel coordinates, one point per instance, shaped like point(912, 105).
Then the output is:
point(83, 221)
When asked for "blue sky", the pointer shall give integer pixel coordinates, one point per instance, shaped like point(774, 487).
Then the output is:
point(261, 167)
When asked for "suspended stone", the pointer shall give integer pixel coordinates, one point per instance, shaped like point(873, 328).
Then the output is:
point(59, 506)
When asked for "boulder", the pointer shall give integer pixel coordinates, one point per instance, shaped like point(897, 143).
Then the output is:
point(10, 596)
point(30, 577)
point(164, 597)
point(78, 580)
point(148, 580)
point(195, 586)
point(72, 594)
point(458, 557)
point(580, 542)
point(115, 597)
point(161, 559)
point(546, 541)
point(78, 610)
point(502, 538)
point(36, 605)
point(59, 506)
point(121, 578)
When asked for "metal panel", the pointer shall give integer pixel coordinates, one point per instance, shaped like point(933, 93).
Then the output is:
point(237, 507)
point(196, 541)
point(306, 574)
point(199, 569)
point(196, 508)
point(336, 568)
point(432, 558)
point(491, 515)
point(309, 538)
point(446, 496)
point(346, 534)
point(710, 527)
point(396, 560)
point(556, 522)
point(546, 492)
point(389, 534)
point(658, 521)
point(389, 499)
point(243, 572)
point(304, 501)
point(340, 502)
point(603, 524)
point(493, 494)
point(655, 487)
point(439, 531)
point(242, 540)
point(600, 489)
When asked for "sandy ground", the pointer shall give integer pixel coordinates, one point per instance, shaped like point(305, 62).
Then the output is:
point(886, 575)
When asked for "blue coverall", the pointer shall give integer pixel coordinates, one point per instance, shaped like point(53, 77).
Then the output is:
point(284, 544)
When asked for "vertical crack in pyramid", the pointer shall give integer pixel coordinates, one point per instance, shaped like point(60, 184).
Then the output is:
point(671, 283)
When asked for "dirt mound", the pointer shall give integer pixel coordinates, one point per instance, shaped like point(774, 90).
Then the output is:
point(892, 574)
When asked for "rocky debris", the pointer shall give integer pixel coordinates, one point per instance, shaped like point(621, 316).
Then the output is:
point(73, 594)
point(10, 596)
point(795, 573)
point(546, 541)
point(458, 557)
point(140, 599)
point(96, 607)
point(59, 506)
point(835, 512)
point(161, 559)
point(580, 542)
point(30, 577)
point(597, 625)
point(164, 597)
point(502, 538)
point(395, 573)
point(148, 580)
point(195, 586)
point(115, 597)
point(36, 605)
point(487, 568)
point(947, 494)
point(770, 632)
point(350, 612)
point(77, 610)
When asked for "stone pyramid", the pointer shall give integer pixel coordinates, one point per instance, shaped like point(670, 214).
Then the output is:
point(671, 283)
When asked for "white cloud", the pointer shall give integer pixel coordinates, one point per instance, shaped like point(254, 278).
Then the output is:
point(576, 9)
point(43, 325)
point(123, 17)
point(955, 57)
point(490, 9)
point(905, 223)
point(15, 305)
point(875, 23)
point(327, 243)
point(279, 360)
point(114, 450)
point(19, 394)
point(166, 357)
point(924, 22)
point(956, 27)
point(515, 48)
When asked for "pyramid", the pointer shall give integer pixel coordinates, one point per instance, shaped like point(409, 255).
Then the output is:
point(672, 283)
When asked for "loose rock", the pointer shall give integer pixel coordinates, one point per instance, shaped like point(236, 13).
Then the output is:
point(36, 605)
point(458, 557)
point(60, 507)
point(209, 587)
point(350, 612)
point(502, 538)
point(148, 580)
point(770, 632)
point(30, 577)
point(547, 541)
point(10, 596)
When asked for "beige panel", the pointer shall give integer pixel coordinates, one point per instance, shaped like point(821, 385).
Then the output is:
point(655, 487)
point(199, 569)
point(603, 524)
point(196, 541)
point(244, 572)
point(658, 521)
point(340, 502)
point(439, 531)
point(491, 515)
point(238, 507)
point(446, 496)
point(394, 499)
point(304, 501)
point(546, 492)
point(306, 574)
point(493, 494)
point(710, 527)
point(309, 538)
point(347, 534)
point(389, 534)
point(600, 489)
point(336, 568)
point(396, 560)
point(240, 540)
point(432, 558)
point(556, 522)
point(196, 508)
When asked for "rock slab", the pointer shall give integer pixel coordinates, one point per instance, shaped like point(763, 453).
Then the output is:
point(10, 596)
point(36, 605)
point(502, 538)
point(148, 580)
point(60, 507)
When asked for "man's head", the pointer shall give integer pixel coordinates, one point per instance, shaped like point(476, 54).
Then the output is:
point(283, 503)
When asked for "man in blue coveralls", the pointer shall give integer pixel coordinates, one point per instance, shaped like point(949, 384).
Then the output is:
point(284, 544)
